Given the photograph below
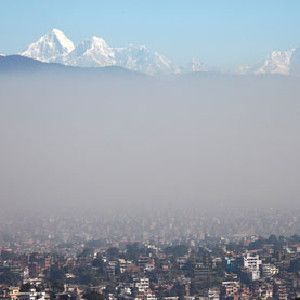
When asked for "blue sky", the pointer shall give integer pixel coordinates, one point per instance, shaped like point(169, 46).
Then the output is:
point(222, 33)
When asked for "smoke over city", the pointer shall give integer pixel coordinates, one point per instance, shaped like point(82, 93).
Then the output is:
point(126, 143)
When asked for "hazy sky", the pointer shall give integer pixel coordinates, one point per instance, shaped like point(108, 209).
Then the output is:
point(222, 33)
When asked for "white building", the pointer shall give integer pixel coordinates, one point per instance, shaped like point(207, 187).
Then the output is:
point(230, 289)
point(214, 294)
point(31, 295)
point(142, 284)
point(252, 264)
point(269, 270)
point(122, 265)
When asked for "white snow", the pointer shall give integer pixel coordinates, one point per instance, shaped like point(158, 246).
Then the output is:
point(64, 41)
point(92, 53)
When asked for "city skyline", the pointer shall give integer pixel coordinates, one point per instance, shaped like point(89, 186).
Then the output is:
point(149, 150)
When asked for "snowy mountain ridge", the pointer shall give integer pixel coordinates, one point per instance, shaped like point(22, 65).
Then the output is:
point(95, 52)
point(56, 47)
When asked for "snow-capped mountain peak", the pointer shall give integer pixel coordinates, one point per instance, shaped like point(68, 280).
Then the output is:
point(64, 41)
point(278, 62)
point(142, 59)
point(98, 42)
point(95, 52)
point(195, 66)
point(51, 47)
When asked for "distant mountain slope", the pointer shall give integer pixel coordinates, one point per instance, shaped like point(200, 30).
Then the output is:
point(22, 64)
point(18, 63)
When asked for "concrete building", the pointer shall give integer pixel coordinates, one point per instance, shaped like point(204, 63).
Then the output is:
point(142, 284)
point(230, 290)
point(252, 265)
point(269, 270)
